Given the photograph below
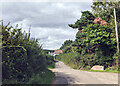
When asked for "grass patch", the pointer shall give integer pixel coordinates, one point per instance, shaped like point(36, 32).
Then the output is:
point(42, 78)
point(74, 60)
point(106, 70)
point(51, 66)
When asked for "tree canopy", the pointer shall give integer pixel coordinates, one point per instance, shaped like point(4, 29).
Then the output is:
point(86, 18)
point(22, 58)
point(95, 43)
point(105, 10)
point(66, 43)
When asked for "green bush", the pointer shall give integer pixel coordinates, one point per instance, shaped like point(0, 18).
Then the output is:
point(14, 64)
point(50, 61)
point(58, 57)
point(87, 61)
point(23, 58)
point(44, 77)
point(71, 59)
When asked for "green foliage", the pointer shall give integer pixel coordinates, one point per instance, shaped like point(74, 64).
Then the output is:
point(67, 49)
point(94, 45)
point(119, 31)
point(22, 57)
point(86, 18)
point(57, 57)
point(78, 36)
point(66, 43)
point(14, 62)
point(99, 35)
point(50, 61)
point(95, 37)
point(43, 77)
point(111, 70)
point(116, 56)
point(85, 62)
point(70, 59)
point(77, 61)
point(105, 10)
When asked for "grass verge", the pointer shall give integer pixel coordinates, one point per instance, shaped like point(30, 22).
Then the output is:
point(111, 71)
point(44, 77)
point(51, 66)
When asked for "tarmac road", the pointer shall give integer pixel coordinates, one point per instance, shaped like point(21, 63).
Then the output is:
point(67, 75)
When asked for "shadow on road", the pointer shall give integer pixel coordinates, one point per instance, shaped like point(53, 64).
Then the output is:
point(59, 80)
point(66, 76)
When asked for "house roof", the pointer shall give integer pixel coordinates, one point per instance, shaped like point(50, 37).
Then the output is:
point(58, 51)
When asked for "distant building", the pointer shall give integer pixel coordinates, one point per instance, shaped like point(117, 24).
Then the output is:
point(57, 52)
point(53, 52)
point(50, 52)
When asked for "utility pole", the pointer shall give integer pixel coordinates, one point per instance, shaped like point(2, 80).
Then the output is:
point(116, 29)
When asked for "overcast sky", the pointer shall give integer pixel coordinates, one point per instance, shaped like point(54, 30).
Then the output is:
point(49, 20)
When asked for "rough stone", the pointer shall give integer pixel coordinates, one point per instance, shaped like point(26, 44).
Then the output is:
point(97, 67)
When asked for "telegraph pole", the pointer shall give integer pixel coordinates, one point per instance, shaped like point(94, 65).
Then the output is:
point(116, 29)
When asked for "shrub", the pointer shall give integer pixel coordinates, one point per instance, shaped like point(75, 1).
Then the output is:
point(44, 77)
point(22, 58)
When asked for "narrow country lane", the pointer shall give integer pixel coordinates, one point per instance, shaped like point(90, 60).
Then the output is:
point(67, 75)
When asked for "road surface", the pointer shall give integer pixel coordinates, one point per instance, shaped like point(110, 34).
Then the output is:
point(67, 75)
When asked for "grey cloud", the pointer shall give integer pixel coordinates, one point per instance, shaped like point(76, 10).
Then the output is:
point(42, 14)
point(56, 37)
point(49, 20)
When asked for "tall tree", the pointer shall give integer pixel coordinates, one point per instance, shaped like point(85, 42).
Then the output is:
point(86, 18)
point(66, 43)
point(108, 11)
point(105, 10)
